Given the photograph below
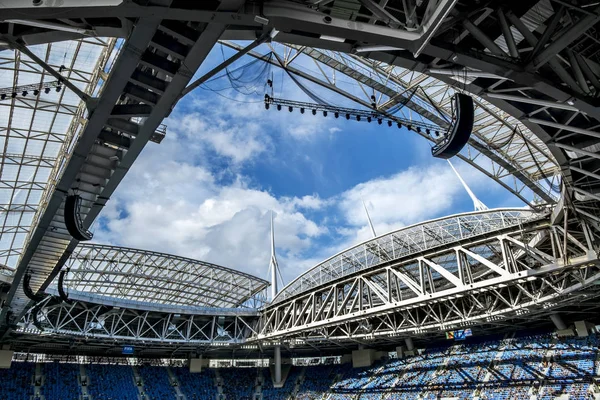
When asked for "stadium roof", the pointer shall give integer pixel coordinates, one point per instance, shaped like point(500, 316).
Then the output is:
point(407, 241)
point(38, 127)
point(150, 277)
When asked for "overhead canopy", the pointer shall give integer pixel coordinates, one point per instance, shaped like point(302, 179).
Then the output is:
point(407, 241)
point(150, 277)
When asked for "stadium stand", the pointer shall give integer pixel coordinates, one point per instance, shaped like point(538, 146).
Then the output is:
point(196, 386)
point(514, 368)
point(156, 383)
point(520, 367)
point(317, 381)
point(270, 392)
point(239, 383)
point(111, 382)
point(61, 381)
point(17, 382)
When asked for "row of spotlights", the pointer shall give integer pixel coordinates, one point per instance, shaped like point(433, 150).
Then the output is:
point(358, 118)
point(36, 92)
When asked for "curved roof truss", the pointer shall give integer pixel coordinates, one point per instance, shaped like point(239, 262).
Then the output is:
point(411, 240)
point(151, 277)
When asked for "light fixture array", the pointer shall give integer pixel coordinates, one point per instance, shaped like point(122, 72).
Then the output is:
point(35, 89)
point(352, 114)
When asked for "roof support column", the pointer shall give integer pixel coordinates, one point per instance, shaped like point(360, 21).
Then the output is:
point(483, 38)
point(410, 346)
point(532, 40)
point(277, 362)
point(587, 71)
point(558, 322)
point(577, 71)
point(508, 36)
point(565, 39)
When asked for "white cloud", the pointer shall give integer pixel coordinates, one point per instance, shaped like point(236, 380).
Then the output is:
point(174, 200)
point(239, 142)
point(182, 209)
point(310, 202)
point(406, 197)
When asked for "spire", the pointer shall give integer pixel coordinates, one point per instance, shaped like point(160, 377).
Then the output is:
point(273, 267)
point(479, 206)
point(368, 218)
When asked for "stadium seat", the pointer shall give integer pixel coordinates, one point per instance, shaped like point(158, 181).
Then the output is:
point(492, 368)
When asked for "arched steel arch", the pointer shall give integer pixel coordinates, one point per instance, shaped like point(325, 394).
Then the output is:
point(457, 271)
point(443, 274)
point(119, 294)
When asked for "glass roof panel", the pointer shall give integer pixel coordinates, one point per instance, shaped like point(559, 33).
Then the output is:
point(33, 128)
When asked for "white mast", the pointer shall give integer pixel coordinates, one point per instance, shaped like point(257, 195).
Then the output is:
point(479, 206)
point(369, 218)
point(273, 262)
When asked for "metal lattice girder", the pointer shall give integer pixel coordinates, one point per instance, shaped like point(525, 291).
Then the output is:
point(82, 319)
point(461, 270)
point(116, 274)
point(539, 51)
point(415, 239)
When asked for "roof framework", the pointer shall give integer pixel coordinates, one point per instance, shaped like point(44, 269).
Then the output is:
point(116, 273)
point(153, 66)
point(538, 61)
point(36, 131)
point(438, 278)
point(415, 239)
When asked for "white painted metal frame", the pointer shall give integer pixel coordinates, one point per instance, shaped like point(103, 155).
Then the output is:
point(85, 320)
point(118, 273)
point(447, 281)
point(407, 241)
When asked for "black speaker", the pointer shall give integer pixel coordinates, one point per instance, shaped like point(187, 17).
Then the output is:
point(73, 220)
point(460, 130)
point(61, 290)
point(27, 289)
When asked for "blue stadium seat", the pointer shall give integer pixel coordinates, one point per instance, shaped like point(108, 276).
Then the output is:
point(61, 381)
point(196, 386)
point(499, 369)
point(17, 381)
point(156, 383)
point(111, 382)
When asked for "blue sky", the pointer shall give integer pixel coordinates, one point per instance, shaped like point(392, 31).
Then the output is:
point(207, 190)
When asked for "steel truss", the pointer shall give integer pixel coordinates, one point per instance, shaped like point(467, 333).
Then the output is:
point(411, 240)
point(100, 322)
point(118, 274)
point(491, 276)
point(537, 62)
point(152, 68)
